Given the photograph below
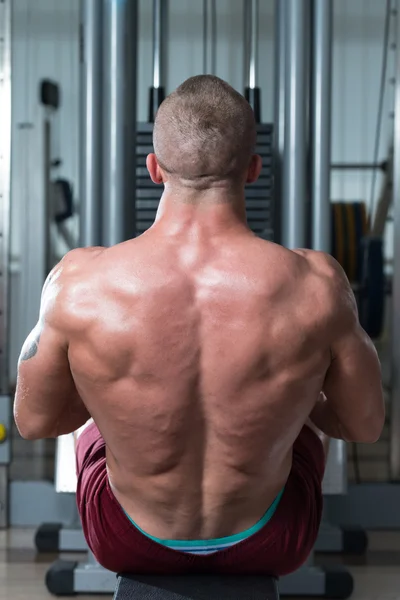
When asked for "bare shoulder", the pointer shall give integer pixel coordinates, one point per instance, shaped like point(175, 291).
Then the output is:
point(324, 265)
point(72, 263)
point(64, 278)
point(74, 259)
point(315, 268)
point(329, 281)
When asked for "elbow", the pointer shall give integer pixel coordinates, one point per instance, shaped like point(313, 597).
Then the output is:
point(31, 425)
point(28, 434)
point(368, 431)
point(31, 431)
point(368, 437)
point(34, 434)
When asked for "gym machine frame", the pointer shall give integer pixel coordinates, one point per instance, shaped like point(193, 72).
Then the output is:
point(5, 170)
point(294, 19)
point(5, 4)
point(89, 577)
point(361, 502)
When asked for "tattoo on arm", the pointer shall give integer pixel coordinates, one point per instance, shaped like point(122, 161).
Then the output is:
point(31, 348)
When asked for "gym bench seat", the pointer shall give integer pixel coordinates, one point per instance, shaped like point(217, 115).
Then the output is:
point(196, 587)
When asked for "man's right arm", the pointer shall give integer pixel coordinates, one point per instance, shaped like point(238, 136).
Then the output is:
point(352, 405)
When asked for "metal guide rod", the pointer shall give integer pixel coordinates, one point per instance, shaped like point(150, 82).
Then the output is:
point(252, 91)
point(246, 37)
point(119, 119)
point(250, 22)
point(91, 126)
point(157, 92)
point(321, 124)
point(5, 171)
point(295, 151)
point(113, 122)
point(395, 399)
point(209, 37)
point(253, 55)
point(157, 42)
point(5, 202)
point(279, 114)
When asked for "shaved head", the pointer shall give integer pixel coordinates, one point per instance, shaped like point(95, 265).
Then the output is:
point(204, 133)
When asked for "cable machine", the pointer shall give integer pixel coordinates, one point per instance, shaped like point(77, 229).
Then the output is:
point(102, 220)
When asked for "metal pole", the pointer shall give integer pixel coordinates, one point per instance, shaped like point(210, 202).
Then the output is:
point(252, 91)
point(253, 57)
point(5, 204)
point(395, 400)
point(209, 36)
point(321, 125)
point(119, 119)
point(48, 209)
point(279, 114)
point(296, 95)
point(320, 120)
point(91, 126)
point(157, 93)
point(5, 186)
point(246, 38)
point(157, 43)
point(130, 116)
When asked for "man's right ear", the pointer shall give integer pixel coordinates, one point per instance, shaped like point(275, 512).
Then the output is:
point(154, 169)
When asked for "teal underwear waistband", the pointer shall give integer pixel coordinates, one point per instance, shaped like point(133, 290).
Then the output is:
point(214, 545)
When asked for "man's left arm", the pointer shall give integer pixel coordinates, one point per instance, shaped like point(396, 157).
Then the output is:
point(47, 403)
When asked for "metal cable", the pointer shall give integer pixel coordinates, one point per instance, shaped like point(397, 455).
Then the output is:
point(209, 36)
point(381, 99)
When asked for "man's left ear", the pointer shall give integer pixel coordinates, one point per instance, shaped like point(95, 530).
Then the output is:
point(254, 169)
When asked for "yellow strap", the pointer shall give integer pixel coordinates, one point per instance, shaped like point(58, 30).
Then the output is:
point(364, 215)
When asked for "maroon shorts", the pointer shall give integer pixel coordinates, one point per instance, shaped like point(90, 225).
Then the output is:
point(279, 548)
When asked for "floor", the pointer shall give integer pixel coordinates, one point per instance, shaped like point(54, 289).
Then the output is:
point(22, 571)
point(377, 574)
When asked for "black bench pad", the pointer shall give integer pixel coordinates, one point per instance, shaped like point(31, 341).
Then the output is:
point(196, 587)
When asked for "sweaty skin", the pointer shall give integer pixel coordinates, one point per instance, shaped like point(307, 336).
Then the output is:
point(199, 349)
point(200, 352)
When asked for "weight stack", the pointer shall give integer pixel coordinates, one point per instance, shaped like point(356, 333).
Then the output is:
point(259, 195)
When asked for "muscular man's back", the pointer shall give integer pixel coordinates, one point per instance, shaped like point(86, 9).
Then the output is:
point(199, 358)
point(200, 351)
